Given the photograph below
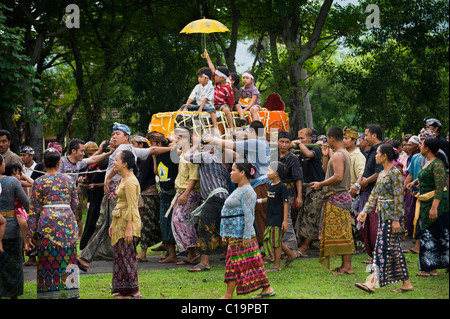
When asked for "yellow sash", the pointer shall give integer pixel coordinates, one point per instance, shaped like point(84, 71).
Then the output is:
point(422, 198)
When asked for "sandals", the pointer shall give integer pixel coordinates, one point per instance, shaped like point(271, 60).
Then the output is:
point(271, 269)
point(289, 261)
point(192, 262)
point(365, 288)
point(81, 267)
point(261, 295)
point(200, 267)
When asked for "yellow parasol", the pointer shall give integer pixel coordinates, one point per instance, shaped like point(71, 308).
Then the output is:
point(204, 26)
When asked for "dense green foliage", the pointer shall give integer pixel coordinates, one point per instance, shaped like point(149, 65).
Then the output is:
point(128, 61)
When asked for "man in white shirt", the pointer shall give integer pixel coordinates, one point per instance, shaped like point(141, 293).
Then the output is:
point(99, 245)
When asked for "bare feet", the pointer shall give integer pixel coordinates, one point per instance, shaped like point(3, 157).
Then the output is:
point(168, 259)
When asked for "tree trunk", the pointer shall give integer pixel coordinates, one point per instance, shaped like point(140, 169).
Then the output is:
point(298, 54)
point(297, 121)
point(306, 102)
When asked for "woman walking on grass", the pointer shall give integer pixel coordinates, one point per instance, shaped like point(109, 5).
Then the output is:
point(125, 229)
point(244, 267)
point(388, 261)
point(433, 206)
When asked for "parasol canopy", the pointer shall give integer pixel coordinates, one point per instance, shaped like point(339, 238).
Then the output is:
point(204, 26)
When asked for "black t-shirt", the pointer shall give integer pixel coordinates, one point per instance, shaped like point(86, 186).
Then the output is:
point(444, 146)
point(146, 176)
point(371, 166)
point(167, 171)
point(276, 196)
point(312, 167)
point(39, 167)
point(96, 194)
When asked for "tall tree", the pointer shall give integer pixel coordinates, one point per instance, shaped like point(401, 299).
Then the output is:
point(397, 74)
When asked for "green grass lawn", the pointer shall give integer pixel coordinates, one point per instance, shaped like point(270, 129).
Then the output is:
point(303, 279)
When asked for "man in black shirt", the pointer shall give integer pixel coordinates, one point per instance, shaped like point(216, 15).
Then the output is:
point(167, 171)
point(293, 182)
point(149, 200)
point(368, 233)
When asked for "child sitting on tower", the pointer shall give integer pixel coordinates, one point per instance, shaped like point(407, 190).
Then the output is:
point(250, 95)
point(203, 95)
point(223, 93)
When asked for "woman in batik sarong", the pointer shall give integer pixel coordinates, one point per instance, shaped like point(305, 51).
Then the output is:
point(433, 205)
point(125, 229)
point(52, 227)
point(11, 269)
point(244, 267)
point(388, 261)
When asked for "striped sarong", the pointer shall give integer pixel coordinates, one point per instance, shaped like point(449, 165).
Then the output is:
point(273, 237)
point(245, 266)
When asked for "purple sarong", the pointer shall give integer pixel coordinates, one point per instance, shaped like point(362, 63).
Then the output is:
point(410, 210)
point(368, 231)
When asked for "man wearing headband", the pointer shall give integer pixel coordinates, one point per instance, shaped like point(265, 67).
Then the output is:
point(412, 172)
point(357, 159)
point(90, 148)
point(187, 198)
point(139, 141)
point(99, 246)
point(167, 160)
point(27, 155)
point(250, 91)
point(202, 95)
point(223, 93)
point(435, 125)
point(357, 165)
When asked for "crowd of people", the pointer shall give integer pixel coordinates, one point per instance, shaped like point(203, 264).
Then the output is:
point(344, 190)
point(258, 208)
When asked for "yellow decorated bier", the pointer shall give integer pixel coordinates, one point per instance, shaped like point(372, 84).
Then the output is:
point(165, 122)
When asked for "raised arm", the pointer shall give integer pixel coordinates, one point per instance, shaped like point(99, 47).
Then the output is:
point(210, 64)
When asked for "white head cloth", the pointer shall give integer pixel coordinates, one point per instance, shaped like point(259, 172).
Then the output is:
point(248, 74)
point(224, 76)
point(414, 139)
